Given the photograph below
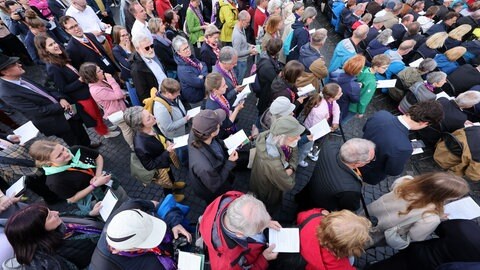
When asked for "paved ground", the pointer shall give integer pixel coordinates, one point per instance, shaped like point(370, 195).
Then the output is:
point(117, 157)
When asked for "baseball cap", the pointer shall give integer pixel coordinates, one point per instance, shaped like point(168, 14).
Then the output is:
point(134, 228)
point(281, 106)
point(287, 125)
point(206, 121)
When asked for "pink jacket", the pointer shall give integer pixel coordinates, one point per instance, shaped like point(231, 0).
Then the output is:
point(109, 96)
point(320, 112)
point(42, 5)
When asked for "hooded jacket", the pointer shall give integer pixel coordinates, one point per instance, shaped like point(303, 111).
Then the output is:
point(396, 64)
point(445, 65)
point(267, 69)
point(308, 54)
point(229, 17)
point(350, 88)
point(193, 88)
point(300, 38)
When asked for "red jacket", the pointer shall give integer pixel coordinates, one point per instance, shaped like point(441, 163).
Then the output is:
point(258, 20)
point(317, 257)
point(161, 6)
point(222, 257)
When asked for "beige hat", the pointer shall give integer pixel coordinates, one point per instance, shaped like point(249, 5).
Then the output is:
point(211, 30)
point(287, 125)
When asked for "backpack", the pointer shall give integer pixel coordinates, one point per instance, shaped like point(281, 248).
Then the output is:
point(150, 102)
point(288, 43)
point(218, 23)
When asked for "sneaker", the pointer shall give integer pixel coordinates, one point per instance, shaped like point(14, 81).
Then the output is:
point(179, 197)
point(313, 156)
point(111, 134)
point(112, 128)
point(178, 185)
point(303, 164)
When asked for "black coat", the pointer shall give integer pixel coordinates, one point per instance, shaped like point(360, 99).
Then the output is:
point(150, 152)
point(279, 88)
point(267, 69)
point(464, 77)
point(398, 31)
point(122, 57)
point(143, 78)
point(57, 9)
point(208, 56)
point(165, 55)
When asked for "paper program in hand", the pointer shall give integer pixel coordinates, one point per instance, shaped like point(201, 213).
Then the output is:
point(108, 203)
point(465, 208)
point(17, 188)
point(320, 129)
point(286, 240)
point(242, 95)
point(194, 111)
point(26, 132)
point(235, 140)
point(302, 91)
point(386, 83)
point(180, 141)
point(190, 261)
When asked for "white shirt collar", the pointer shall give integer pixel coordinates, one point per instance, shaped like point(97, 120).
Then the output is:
point(400, 118)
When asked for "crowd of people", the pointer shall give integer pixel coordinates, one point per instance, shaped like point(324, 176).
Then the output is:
point(163, 59)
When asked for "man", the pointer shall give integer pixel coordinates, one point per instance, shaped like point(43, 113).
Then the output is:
point(87, 19)
point(146, 69)
point(374, 7)
point(336, 183)
point(103, 11)
point(347, 48)
point(48, 110)
point(396, 58)
point(428, 19)
point(390, 13)
point(390, 135)
point(260, 16)
point(232, 229)
point(58, 7)
point(446, 25)
point(140, 26)
point(444, 9)
point(84, 47)
point(227, 60)
point(399, 29)
point(311, 51)
point(240, 44)
point(374, 30)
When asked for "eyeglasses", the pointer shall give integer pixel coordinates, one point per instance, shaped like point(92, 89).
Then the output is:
point(125, 35)
point(149, 47)
point(185, 49)
point(73, 27)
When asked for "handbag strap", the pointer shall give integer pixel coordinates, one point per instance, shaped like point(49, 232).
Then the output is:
point(17, 161)
point(409, 221)
point(364, 205)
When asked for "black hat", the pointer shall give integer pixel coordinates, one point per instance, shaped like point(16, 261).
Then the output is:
point(6, 61)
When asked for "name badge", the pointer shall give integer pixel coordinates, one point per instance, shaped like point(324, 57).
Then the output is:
point(105, 61)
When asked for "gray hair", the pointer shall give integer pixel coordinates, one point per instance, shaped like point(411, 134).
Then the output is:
point(137, 39)
point(247, 215)
point(361, 31)
point(227, 54)
point(273, 4)
point(384, 36)
point(243, 15)
point(468, 99)
point(356, 150)
point(309, 12)
point(427, 65)
point(360, 6)
point(320, 36)
point(133, 117)
point(154, 25)
point(436, 77)
point(297, 5)
point(177, 42)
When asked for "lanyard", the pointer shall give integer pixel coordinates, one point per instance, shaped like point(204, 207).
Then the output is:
point(93, 47)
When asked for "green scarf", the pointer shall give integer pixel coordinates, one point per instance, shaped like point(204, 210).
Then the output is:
point(74, 163)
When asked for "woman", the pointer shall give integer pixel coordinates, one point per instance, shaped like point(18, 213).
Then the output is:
point(210, 165)
point(163, 47)
point(292, 11)
point(190, 71)
point(423, 91)
point(195, 24)
point(108, 95)
point(275, 163)
point(36, 26)
point(379, 45)
point(284, 84)
point(268, 68)
point(211, 47)
point(273, 29)
point(171, 21)
point(153, 150)
point(430, 48)
point(149, 7)
point(274, 8)
point(301, 36)
point(447, 62)
point(347, 79)
point(68, 81)
point(215, 86)
point(41, 240)
point(162, 6)
point(455, 36)
point(228, 16)
point(422, 196)
point(329, 240)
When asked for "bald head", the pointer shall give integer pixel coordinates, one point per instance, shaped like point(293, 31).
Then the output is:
point(361, 32)
point(406, 46)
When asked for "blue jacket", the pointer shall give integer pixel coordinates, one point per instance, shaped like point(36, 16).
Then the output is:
point(308, 55)
point(344, 50)
point(122, 58)
point(393, 147)
point(445, 65)
point(350, 87)
point(193, 88)
point(337, 8)
point(376, 48)
point(396, 64)
point(300, 38)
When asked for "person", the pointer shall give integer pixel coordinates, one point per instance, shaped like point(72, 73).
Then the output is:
point(432, 45)
point(301, 36)
point(337, 236)
point(153, 150)
point(162, 47)
point(374, 30)
point(161, 7)
point(281, 106)
point(149, 7)
point(259, 17)
point(399, 30)
point(46, 109)
point(140, 26)
point(380, 44)
point(413, 32)
point(190, 71)
point(284, 84)
point(41, 240)
point(464, 78)
point(423, 91)
point(210, 167)
point(273, 28)
point(140, 234)
point(310, 52)
point(447, 62)
point(457, 242)
point(346, 78)
point(318, 71)
point(292, 11)
point(67, 80)
point(347, 48)
point(87, 19)
point(276, 161)
point(324, 106)
point(390, 135)
point(107, 94)
point(397, 62)
point(456, 110)
point(232, 229)
point(211, 47)
point(422, 196)
point(195, 23)
point(227, 60)
point(411, 75)
point(390, 13)
point(467, 163)
point(228, 17)
point(103, 11)
point(240, 44)
point(455, 36)
point(445, 25)
point(336, 183)
point(171, 21)
point(146, 69)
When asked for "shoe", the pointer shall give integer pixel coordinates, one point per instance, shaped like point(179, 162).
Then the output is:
point(113, 128)
point(111, 134)
point(313, 157)
point(178, 185)
point(95, 145)
point(179, 197)
point(303, 164)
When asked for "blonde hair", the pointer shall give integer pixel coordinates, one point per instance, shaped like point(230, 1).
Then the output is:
point(455, 53)
point(41, 150)
point(272, 24)
point(431, 188)
point(344, 233)
point(460, 31)
point(436, 40)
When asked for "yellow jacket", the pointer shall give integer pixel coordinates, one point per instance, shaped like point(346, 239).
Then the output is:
point(229, 17)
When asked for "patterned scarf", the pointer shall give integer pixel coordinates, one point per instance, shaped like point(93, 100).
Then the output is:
point(214, 47)
point(292, 94)
point(190, 62)
point(197, 12)
point(228, 74)
point(330, 112)
point(224, 105)
point(72, 228)
point(287, 151)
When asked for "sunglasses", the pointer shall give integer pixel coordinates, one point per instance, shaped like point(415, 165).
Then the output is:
point(148, 47)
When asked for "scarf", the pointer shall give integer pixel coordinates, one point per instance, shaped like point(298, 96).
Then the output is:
point(224, 105)
point(165, 41)
point(191, 62)
point(197, 12)
point(227, 74)
point(430, 87)
point(330, 113)
point(287, 151)
point(72, 228)
point(292, 94)
point(74, 163)
point(214, 47)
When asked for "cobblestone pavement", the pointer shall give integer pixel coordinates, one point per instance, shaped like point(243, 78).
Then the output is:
point(117, 157)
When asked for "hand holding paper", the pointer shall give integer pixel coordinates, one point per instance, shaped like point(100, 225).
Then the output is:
point(302, 91)
point(242, 95)
point(108, 203)
point(235, 141)
point(465, 208)
point(26, 132)
point(286, 240)
point(180, 141)
point(320, 129)
point(249, 80)
point(17, 188)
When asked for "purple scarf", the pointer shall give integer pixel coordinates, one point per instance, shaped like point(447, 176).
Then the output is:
point(287, 151)
point(197, 12)
point(224, 105)
point(72, 228)
point(228, 74)
point(191, 62)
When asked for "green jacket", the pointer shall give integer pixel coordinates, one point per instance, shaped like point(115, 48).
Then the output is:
point(369, 84)
point(229, 17)
point(194, 30)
